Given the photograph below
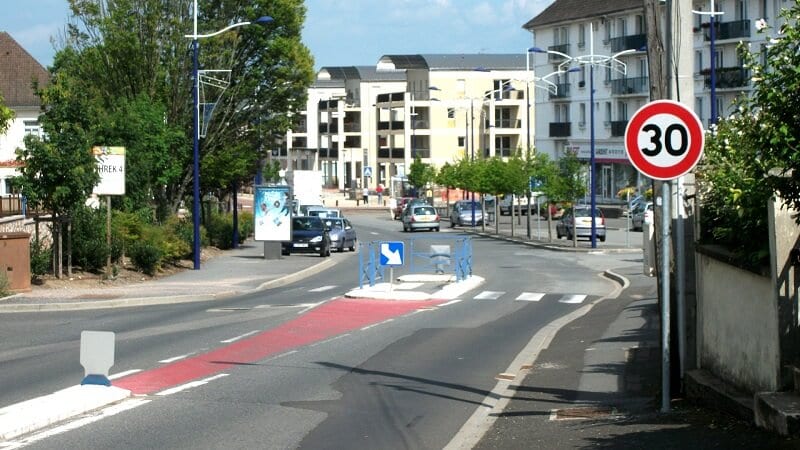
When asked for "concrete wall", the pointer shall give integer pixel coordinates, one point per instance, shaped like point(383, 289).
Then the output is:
point(737, 320)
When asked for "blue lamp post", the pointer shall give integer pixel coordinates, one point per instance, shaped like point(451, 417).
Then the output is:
point(591, 59)
point(712, 57)
point(264, 20)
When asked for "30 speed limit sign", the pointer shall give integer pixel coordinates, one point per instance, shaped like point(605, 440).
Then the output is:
point(664, 139)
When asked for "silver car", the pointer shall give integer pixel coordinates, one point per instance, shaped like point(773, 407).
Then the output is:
point(419, 216)
point(580, 218)
point(342, 233)
point(461, 213)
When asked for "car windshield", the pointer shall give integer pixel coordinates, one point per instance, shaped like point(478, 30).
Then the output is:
point(334, 224)
point(468, 205)
point(584, 212)
point(307, 223)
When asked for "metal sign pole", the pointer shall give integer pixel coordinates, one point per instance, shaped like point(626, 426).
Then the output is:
point(665, 319)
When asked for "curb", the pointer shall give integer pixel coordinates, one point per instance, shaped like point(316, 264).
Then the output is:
point(162, 300)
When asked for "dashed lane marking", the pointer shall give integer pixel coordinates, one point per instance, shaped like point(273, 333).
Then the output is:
point(572, 299)
point(234, 339)
point(193, 384)
point(489, 295)
point(530, 296)
point(175, 358)
point(323, 288)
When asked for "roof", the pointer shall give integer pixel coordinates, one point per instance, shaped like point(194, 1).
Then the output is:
point(567, 10)
point(457, 61)
point(363, 73)
point(17, 71)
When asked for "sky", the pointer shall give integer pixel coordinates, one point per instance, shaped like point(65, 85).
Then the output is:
point(341, 32)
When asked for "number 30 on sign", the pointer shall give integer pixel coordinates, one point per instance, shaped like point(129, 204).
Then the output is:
point(664, 140)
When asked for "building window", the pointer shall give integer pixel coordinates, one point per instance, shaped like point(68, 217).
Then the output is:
point(698, 60)
point(582, 113)
point(462, 141)
point(451, 113)
point(32, 127)
point(581, 36)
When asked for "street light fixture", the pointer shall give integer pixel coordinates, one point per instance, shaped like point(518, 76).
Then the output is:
point(712, 57)
point(264, 20)
point(591, 59)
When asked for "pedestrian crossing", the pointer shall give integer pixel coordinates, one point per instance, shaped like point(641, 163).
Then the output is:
point(573, 299)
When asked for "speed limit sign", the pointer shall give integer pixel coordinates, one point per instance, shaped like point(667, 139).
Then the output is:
point(664, 140)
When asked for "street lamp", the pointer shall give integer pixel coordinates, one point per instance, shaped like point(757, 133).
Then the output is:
point(591, 59)
point(264, 20)
point(712, 57)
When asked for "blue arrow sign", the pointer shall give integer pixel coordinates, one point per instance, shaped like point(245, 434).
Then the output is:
point(392, 253)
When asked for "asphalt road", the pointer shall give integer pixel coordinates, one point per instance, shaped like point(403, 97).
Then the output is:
point(394, 379)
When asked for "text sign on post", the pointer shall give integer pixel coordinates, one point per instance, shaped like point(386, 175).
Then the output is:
point(111, 167)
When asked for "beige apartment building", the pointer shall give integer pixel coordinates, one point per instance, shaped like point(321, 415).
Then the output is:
point(365, 125)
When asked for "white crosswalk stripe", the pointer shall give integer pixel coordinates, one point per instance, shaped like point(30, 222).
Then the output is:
point(572, 298)
point(489, 295)
point(530, 297)
point(322, 289)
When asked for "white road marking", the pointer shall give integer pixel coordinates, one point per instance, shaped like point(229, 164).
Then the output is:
point(530, 296)
point(234, 339)
point(323, 289)
point(376, 324)
point(573, 299)
point(489, 295)
point(329, 340)
point(176, 358)
point(193, 384)
point(451, 302)
point(123, 406)
point(123, 374)
point(374, 233)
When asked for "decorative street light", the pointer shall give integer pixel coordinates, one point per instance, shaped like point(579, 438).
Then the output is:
point(264, 20)
point(591, 59)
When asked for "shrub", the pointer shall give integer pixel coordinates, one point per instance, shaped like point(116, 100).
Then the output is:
point(145, 257)
point(220, 231)
point(89, 248)
point(5, 286)
point(41, 259)
point(246, 226)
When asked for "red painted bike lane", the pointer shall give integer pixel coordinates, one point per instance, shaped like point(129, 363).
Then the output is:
point(324, 322)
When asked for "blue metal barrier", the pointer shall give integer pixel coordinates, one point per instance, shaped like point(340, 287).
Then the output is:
point(422, 255)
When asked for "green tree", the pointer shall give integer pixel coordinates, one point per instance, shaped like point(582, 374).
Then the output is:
point(420, 174)
point(5, 115)
point(569, 185)
point(446, 176)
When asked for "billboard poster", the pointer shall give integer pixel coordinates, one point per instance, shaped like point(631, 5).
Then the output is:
point(111, 167)
point(271, 210)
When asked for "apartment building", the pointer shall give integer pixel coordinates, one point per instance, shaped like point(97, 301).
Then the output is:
point(579, 28)
point(363, 126)
point(17, 69)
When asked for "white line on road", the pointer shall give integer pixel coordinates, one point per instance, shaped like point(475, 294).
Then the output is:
point(197, 383)
point(234, 339)
point(488, 295)
point(176, 358)
point(323, 289)
point(123, 374)
point(451, 302)
point(125, 405)
point(573, 299)
point(376, 324)
point(530, 296)
point(329, 340)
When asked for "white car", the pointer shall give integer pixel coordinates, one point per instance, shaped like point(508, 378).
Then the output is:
point(642, 215)
point(324, 213)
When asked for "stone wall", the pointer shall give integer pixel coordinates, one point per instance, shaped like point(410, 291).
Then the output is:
point(27, 225)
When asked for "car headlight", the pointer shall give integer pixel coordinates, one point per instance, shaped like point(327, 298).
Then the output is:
point(316, 239)
point(334, 237)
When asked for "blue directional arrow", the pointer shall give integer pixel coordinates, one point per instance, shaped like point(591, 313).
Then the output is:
point(391, 253)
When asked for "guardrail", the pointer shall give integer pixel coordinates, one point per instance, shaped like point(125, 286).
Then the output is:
point(421, 255)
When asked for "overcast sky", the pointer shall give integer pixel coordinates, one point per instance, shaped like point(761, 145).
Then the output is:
point(342, 32)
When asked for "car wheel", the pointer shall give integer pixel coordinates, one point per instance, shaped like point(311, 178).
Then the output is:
point(353, 247)
point(284, 253)
point(436, 229)
point(452, 223)
point(602, 238)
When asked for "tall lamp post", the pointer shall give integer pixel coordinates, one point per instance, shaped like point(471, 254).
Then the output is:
point(264, 20)
point(712, 57)
point(591, 59)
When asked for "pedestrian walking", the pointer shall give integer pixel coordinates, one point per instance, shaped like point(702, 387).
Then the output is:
point(366, 195)
point(379, 191)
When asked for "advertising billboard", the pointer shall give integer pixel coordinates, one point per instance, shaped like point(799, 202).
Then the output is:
point(272, 213)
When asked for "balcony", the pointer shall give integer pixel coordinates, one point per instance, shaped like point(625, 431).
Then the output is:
point(560, 129)
point(728, 30)
point(728, 77)
point(334, 128)
point(627, 86)
point(352, 127)
point(618, 127)
point(420, 152)
point(393, 97)
point(562, 91)
point(508, 123)
point(396, 125)
point(563, 48)
point(630, 42)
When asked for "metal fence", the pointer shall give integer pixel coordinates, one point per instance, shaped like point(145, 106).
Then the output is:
point(439, 254)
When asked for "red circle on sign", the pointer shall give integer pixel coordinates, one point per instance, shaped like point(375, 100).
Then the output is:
point(681, 114)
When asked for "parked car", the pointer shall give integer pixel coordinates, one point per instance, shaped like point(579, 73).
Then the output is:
point(420, 216)
point(582, 219)
point(642, 215)
point(323, 212)
point(401, 204)
point(342, 233)
point(520, 205)
point(461, 213)
point(309, 235)
point(302, 210)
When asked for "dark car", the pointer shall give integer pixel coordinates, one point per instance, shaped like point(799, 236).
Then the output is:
point(309, 235)
point(343, 235)
point(580, 218)
point(397, 213)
